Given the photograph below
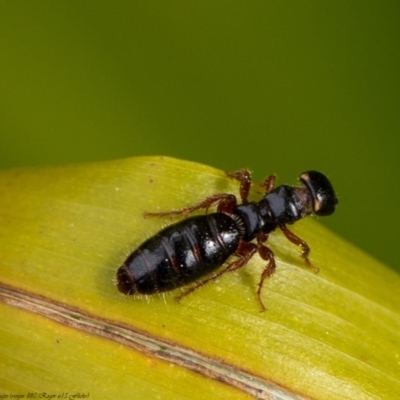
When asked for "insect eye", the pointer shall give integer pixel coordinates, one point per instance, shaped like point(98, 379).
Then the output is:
point(323, 196)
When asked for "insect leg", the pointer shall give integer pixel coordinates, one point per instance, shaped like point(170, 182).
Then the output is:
point(268, 183)
point(244, 177)
point(245, 251)
point(266, 254)
point(305, 249)
point(224, 201)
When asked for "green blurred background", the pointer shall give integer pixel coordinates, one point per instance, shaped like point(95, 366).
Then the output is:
point(276, 86)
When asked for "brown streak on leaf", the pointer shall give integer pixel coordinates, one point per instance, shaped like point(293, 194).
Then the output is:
point(141, 341)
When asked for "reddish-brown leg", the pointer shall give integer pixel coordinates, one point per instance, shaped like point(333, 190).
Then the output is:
point(225, 202)
point(269, 183)
point(244, 178)
point(305, 249)
point(244, 252)
point(266, 254)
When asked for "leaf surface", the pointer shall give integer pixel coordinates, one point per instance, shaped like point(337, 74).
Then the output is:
point(65, 230)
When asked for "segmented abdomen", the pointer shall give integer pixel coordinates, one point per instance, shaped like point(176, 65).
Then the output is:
point(179, 254)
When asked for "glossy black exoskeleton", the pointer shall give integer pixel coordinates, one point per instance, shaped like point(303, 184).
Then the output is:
point(194, 247)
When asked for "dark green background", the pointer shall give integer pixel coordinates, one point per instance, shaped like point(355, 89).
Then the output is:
point(276, 86)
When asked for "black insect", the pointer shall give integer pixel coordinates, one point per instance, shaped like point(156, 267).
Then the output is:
point(194, 247)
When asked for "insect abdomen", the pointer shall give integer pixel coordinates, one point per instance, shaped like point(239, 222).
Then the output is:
point(179, 254)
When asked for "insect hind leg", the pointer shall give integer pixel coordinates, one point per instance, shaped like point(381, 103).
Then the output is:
point(225, 202)
point(244, 252)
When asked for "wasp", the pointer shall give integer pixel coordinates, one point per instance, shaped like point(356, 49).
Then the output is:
point(193, 249)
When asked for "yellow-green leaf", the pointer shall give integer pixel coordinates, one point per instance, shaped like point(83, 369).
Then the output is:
point(65, 230)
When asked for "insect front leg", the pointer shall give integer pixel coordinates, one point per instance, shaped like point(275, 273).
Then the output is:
point(305, 249)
